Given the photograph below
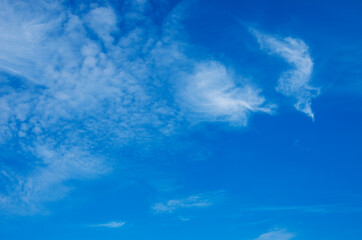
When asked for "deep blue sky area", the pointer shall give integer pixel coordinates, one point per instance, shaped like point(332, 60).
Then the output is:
point(190, 119)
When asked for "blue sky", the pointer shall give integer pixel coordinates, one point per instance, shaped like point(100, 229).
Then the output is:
point(190, 119)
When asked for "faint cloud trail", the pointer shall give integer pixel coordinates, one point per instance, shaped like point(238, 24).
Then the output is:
point(111, 224)
point(276, 235)
point(201, 200)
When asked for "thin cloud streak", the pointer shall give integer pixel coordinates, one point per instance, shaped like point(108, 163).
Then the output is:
point(309, 209)
point(276, 235)
point(323, 209)
point(112, 224)
point(202, 200)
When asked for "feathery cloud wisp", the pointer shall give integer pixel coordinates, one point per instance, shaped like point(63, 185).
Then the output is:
point(294, 83)
point(213, 94)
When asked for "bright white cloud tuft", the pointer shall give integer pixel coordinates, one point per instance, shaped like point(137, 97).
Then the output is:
point(214, 93)
point(295, 82)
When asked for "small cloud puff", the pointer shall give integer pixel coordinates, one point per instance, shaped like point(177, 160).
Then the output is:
point(103, 21)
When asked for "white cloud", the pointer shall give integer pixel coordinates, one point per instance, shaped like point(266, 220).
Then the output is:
point(214, 93)
point(295, 82)
point(195, 201)
point(67, 93)
point(112, 224)
point(174, 204)
point(77, 81)
point(276, 235)
point(103, 21)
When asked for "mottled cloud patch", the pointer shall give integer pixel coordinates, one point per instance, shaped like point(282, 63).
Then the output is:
point(72, 84)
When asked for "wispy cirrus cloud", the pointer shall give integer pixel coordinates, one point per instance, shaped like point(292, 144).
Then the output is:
point(276, 235)
point(111, 224)
point(202, 200)
point(293, 83)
